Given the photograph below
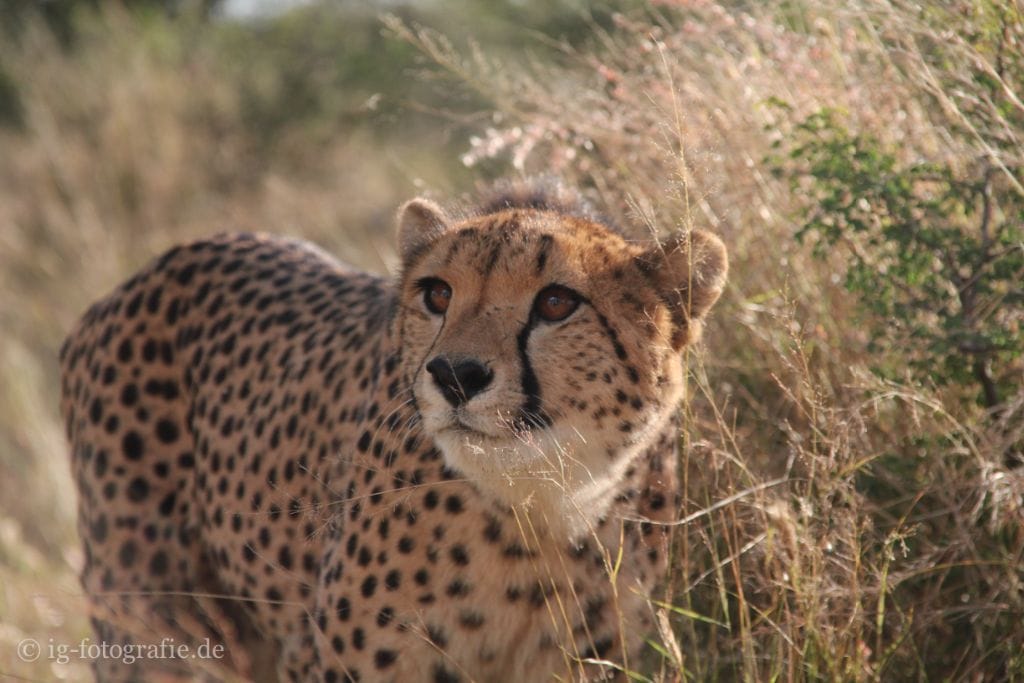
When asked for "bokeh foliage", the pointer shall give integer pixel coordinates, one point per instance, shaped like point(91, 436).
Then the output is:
point(934, 252)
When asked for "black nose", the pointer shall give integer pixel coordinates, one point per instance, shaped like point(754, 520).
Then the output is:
point(461, 381)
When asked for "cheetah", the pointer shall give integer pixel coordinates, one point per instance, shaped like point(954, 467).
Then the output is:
point(462, 473)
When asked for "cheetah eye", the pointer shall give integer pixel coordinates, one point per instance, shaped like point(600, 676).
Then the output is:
point(437, 294)
point(556, 303)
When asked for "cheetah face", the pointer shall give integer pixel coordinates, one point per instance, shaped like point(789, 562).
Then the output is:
point(542, 351)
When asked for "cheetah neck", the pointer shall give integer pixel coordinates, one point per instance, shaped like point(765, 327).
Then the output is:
point(568, 513)
point(559, 488)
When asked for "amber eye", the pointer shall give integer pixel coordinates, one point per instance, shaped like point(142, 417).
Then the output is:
point(437, 294)
point(556, 303)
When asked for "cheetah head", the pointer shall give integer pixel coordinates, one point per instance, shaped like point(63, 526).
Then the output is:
point(543, 350)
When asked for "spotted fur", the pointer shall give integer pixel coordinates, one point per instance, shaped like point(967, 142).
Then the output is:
point(263, 457)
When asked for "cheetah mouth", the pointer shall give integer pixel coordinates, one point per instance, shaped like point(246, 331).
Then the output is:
point(476, 429)
point(466, 427)
point(458, 426)
point(507, 436)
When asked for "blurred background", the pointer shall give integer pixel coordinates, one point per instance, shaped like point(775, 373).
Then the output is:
point(852, 455)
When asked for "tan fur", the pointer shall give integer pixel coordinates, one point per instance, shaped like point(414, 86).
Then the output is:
point(251, 420)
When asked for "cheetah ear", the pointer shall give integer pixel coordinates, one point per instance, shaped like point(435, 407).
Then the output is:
point(688, 271)
point(420, 222)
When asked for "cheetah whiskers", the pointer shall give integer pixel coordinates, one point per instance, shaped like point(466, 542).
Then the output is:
point(386, 417)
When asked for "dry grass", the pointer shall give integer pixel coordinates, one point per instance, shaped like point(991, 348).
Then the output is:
point(838, 526)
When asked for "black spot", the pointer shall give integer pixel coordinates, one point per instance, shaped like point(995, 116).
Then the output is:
point(133, 306)
point(166, 431)
point(153, 302)
point(592, 613)
point(309, 562)
point(248, 553)
point(600, 648)
point(515, 550)
point(100, 463)
point(444, 675)
point(460, 555)
point(167, 504)
point(129, 395)
point(96, 411)
point(284, 557)
point(126, 554)
point(343, 609)
point(112, 424)
point(458, 588)
point(471, 619)
point(172, 311)
point(492, 532)
point(620, 351)
point(542, 255)
point(540, 593)
point(124, 351)
point(158, 563)
point(185, 274)
point(453, 504)
point(385, 658)
point(384, 616)
point(138, 489)
point(437, 635)
point(131, 445)
point(98, 529)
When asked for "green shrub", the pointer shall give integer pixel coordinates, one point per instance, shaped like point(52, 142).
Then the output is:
point(935, 252)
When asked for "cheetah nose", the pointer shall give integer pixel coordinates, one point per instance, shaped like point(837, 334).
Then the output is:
point(459, 382)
